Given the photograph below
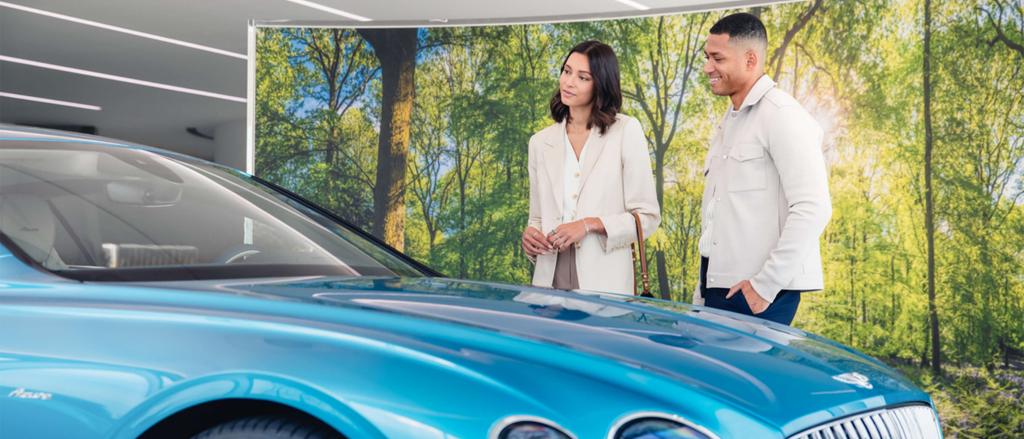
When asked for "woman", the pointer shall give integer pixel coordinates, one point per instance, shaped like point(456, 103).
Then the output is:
point(588, 172)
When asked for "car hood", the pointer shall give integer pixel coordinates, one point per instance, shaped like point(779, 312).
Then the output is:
point(778, 373)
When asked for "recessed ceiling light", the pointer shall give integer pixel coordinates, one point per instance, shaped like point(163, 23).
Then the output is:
point(49, 101)
point(124, 79)
point(122, 30)
point(330, 10)
point(634, 4)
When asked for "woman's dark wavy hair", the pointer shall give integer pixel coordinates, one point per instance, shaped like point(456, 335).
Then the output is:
point(604, 71)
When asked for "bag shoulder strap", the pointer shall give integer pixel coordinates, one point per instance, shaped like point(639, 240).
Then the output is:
point(639, 244)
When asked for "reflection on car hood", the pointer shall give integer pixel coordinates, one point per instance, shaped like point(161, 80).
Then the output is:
point(767, 368)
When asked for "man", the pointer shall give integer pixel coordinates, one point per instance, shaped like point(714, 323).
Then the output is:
point(766, 199)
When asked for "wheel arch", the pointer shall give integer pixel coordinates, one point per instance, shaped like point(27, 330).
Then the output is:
point(209, 401)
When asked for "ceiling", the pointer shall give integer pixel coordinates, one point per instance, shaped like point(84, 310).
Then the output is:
point(158, 116)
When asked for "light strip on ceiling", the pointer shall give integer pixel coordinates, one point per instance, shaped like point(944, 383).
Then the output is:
point(49, 101)
point(634, 4)
point(120, 78)
point(122, 30)
point(330, 10)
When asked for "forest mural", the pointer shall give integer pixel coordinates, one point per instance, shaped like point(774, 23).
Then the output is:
point(420, 136)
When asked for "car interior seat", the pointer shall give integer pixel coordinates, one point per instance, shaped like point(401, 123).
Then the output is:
point(28, 221)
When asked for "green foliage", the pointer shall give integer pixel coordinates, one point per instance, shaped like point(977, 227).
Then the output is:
point(315, 122)
point(975, 403)
point(857, 66)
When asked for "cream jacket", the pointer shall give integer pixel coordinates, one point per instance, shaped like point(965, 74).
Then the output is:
point(616, 180)
point(766, 173)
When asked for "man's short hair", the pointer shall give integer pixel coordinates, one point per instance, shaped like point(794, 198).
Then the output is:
point(743, 26)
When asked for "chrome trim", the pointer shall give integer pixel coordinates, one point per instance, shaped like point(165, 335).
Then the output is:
point(914, 421)
point(509, 420)
point(657, 415)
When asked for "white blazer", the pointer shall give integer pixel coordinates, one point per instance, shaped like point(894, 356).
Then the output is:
point(616, 179)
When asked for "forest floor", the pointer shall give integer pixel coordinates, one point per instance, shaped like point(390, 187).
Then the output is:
point(974, 402)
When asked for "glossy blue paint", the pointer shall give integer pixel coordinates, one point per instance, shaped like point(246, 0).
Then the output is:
point(393, 357)
point(415, 357)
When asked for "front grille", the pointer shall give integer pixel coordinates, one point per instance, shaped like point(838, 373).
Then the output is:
point(906, 422)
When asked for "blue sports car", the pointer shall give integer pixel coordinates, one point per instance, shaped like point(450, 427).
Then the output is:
point(149, 294)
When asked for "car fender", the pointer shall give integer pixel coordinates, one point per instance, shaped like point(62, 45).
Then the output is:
point(243, 385)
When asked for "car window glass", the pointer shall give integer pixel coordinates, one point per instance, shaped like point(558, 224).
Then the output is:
point(85, 208)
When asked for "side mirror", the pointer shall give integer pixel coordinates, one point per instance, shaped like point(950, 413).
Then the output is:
point(144, 193)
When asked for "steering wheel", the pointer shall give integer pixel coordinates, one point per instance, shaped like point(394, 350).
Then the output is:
point(237, 253)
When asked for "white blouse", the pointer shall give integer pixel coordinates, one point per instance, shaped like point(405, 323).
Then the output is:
point(571, 176)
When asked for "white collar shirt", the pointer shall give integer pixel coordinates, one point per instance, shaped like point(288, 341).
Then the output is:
point(571, 177)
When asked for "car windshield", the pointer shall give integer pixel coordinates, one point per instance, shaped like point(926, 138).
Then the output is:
point(91, 211)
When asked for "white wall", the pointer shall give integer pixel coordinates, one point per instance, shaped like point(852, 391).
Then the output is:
point(229, 144)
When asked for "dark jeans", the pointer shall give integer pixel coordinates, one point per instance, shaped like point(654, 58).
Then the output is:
point(782, 310)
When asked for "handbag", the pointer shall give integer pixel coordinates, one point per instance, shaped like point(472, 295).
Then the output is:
point(642, 259)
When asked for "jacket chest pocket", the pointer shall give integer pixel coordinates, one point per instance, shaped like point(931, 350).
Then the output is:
point(746, 167)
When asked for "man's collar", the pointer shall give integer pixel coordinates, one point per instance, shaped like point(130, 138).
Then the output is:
point(763, 85)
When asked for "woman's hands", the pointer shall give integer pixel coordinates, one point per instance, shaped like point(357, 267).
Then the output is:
point(570, 233)
point(534, 242)
point(567, 234)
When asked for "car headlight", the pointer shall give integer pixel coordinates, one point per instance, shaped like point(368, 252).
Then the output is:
point(531, 430)
point(656, 428)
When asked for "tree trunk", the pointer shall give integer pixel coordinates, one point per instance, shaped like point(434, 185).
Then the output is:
point(463, 176)
point(689, 223)
point(659, 255)
point(776, 60)
point(396, 50)
point(929, 216)
point(892, 291)
point(663, 290)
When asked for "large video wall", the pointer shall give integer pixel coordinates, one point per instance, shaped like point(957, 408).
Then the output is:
point(419, 135)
